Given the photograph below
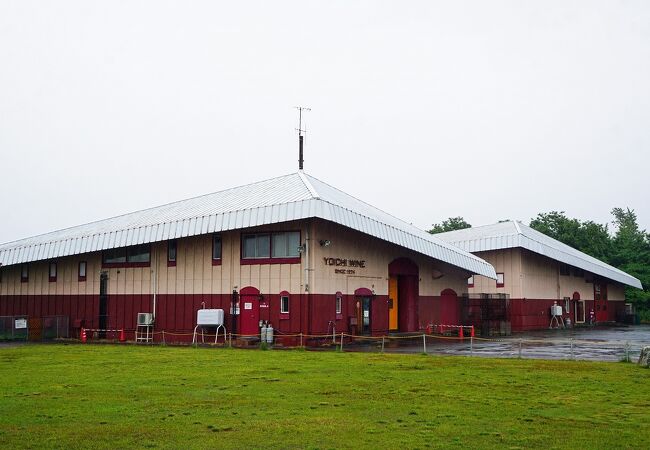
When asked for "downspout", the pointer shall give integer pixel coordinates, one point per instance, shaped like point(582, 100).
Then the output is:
point(307, 305)
point(155, 286)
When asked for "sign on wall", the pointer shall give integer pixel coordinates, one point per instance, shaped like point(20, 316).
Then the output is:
point(341, 264)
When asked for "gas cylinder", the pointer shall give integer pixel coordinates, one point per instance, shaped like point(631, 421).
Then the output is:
point(263, 332)
point(269, 334)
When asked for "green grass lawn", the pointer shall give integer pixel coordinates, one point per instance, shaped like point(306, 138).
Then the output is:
point(105, 396)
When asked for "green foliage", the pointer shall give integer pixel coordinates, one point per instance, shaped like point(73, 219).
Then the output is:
point(588, 237)
point(627, 249)
point(451, 224)
point(109, 396)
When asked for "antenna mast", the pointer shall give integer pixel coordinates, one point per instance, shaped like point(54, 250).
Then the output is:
point(300, 135)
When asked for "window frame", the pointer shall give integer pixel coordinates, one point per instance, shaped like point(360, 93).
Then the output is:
point(52, 278)
point(338, 304)
point(80, 277)
point(270, 259)
point(503, 280)
point(126, 263)
point(215, 237)
point(24, 273)
point(284, 310)
point(172, 244)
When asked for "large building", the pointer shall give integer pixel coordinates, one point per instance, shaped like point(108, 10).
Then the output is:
point(292, 251)
point(534, 272)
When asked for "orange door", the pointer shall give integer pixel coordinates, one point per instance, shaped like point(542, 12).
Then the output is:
point(393, 304)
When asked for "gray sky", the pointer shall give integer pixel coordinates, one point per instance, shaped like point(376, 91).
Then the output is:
point(488, 110)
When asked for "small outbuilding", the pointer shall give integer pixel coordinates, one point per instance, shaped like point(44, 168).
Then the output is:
point(534, 272)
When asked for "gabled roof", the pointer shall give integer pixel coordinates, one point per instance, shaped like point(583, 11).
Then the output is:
point(515, 234)
point(283, 199)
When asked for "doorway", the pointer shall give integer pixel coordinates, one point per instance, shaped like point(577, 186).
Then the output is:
point(393, 304)
point(364, 314)
point(404, 291)
point(249, 311)
point(103, 304)
point(579, 308)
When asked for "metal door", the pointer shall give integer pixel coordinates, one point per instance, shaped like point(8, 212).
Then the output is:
point(600, 302)
point(393, 304)
point(249, 314)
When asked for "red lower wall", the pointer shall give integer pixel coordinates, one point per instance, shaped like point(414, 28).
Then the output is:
point(309, 314)
point(535, 314)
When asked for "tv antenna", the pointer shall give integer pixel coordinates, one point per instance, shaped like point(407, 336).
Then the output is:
point(300, 135)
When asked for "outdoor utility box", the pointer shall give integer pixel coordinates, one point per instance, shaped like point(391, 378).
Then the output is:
point(556, 310)
point(210, 317)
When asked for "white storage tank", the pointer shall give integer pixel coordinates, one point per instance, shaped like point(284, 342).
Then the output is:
point(210, 317)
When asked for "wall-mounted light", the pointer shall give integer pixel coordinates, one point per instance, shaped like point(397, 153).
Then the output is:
point(302, 248)
point(436, 274)
point(325, 242)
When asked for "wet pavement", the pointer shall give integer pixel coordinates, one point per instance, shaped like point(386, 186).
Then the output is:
point(606, 343)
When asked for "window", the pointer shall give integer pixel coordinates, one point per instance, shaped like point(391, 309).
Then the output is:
point(578, 272)
point(24, 273)
point(135, 256)
point(285, 245)
point(567, 304)
point(565, 270)
point(500, 281)
point(284, 304)
point(216, 249)
point(52, 272)
point(470, 281)
point(257, 246)
point(82, 270)
point(171, 253)
point(271, 246)
point(339, 301)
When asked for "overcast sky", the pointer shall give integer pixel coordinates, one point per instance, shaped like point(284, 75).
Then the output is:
point(487, 110)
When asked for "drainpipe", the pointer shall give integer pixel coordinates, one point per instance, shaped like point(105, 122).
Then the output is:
point(307, 305)
point(155, 286)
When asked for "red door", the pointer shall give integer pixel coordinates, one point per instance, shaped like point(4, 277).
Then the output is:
point(249, 314)
point(600, 302)
point(449, 308)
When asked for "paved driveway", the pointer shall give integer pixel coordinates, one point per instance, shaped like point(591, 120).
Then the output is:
point(604, 343)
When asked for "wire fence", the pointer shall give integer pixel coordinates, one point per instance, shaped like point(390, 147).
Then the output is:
point(428, 343)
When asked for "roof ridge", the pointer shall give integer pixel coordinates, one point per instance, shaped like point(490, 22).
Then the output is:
point(303, 176)
point(360, 201)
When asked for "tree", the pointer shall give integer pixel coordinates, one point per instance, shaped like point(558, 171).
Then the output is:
point(631, 254)
point(451, 224)
point(588, 237)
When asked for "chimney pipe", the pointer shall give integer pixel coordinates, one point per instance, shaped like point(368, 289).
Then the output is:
point(300, 160)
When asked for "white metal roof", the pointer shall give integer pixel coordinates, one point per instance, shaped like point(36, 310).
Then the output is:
point(290, 197)
point(515, 234)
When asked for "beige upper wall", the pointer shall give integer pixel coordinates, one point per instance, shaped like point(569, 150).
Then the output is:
point(435, 276)
point(506, 261)
point(530, 275)
point(195, 274)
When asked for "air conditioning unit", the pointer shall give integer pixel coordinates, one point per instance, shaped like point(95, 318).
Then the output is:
point(145, 319)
